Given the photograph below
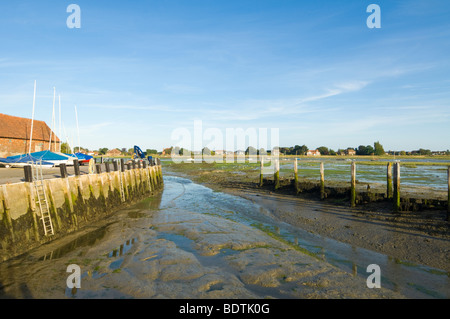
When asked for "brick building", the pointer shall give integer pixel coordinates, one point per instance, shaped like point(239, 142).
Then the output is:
point(313, 153)
point(114, 153)
point(15, 136)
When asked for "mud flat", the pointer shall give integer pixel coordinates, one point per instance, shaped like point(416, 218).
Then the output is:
point(421, 237)
point(192, 242)
point(163, 249)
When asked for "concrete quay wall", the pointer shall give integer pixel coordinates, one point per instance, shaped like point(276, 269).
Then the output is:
point(73, 202)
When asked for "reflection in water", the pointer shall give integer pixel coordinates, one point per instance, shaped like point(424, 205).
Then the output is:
point(86, 240)
point(123, 249)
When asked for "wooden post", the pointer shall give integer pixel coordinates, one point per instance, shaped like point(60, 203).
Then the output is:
point(396, 194)
point(276, 175)
point(63, 170)
point(297, 190)
point(353, 185)
point(322, 181)
point(107, 167)
point(99, 168)
point(122, 165)
point(389, 180)
point(28, 174)
point(115, 166)
point(261, 178)
point(76, 167)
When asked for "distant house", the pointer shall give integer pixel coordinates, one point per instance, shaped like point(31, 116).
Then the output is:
point(349, 151)
point(15, 136)
point(239, 152)
point(313, 153)
point(220, 152)
point(167, 151)
point(114, 152)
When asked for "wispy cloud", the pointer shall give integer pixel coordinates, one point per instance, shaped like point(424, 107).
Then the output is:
point(250, 110)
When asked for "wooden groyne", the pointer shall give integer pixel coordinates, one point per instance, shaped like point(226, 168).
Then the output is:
point(73, 201)
point(355, 195)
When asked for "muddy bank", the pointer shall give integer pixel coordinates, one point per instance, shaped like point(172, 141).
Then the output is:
point(167, 247)
point(421, 237)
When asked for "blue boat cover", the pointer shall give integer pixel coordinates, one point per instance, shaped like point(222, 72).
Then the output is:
point(5, 160)
point(24, 158)
point(83, 157)
point(44, 155)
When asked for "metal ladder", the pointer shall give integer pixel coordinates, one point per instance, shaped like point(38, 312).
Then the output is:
point(41, 198)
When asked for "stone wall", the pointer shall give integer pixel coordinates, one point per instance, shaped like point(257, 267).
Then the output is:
point(73, 202)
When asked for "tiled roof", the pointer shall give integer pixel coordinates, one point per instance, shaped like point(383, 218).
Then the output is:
point(19, 127)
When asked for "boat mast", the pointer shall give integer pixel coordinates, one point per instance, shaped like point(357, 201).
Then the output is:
point(78, 130)
point(60, 140)
point(53, 120)
point(32, 117)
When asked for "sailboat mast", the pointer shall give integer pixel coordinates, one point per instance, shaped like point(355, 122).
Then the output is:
point(53, 120)
point(32, 117)
point(78, 130)
point(60, 140)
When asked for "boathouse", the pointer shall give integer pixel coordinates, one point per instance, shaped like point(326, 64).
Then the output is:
point(15, 136)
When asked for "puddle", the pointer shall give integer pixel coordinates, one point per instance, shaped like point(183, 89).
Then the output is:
point(136, 214)
point(119, 252)
point(123, 248)
point(86, 240)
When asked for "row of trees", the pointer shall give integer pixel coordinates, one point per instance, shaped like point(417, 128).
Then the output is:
point(377, 149)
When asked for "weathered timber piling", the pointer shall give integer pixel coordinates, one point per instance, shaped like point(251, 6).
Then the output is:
point(396, 193)
point(28, 173)
point(322, 181)
point(73, 201)
point(297, 188)
point(63, 170)
point(122, 165)
point(389, 180)
point(276, 175)
point(76, 167)
point(353, 185)
point(261, 177)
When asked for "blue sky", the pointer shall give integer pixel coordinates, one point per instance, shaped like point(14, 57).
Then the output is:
point(138, 70)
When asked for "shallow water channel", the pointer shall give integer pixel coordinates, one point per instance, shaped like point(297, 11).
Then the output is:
point(412, 280)
point(125, 245)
